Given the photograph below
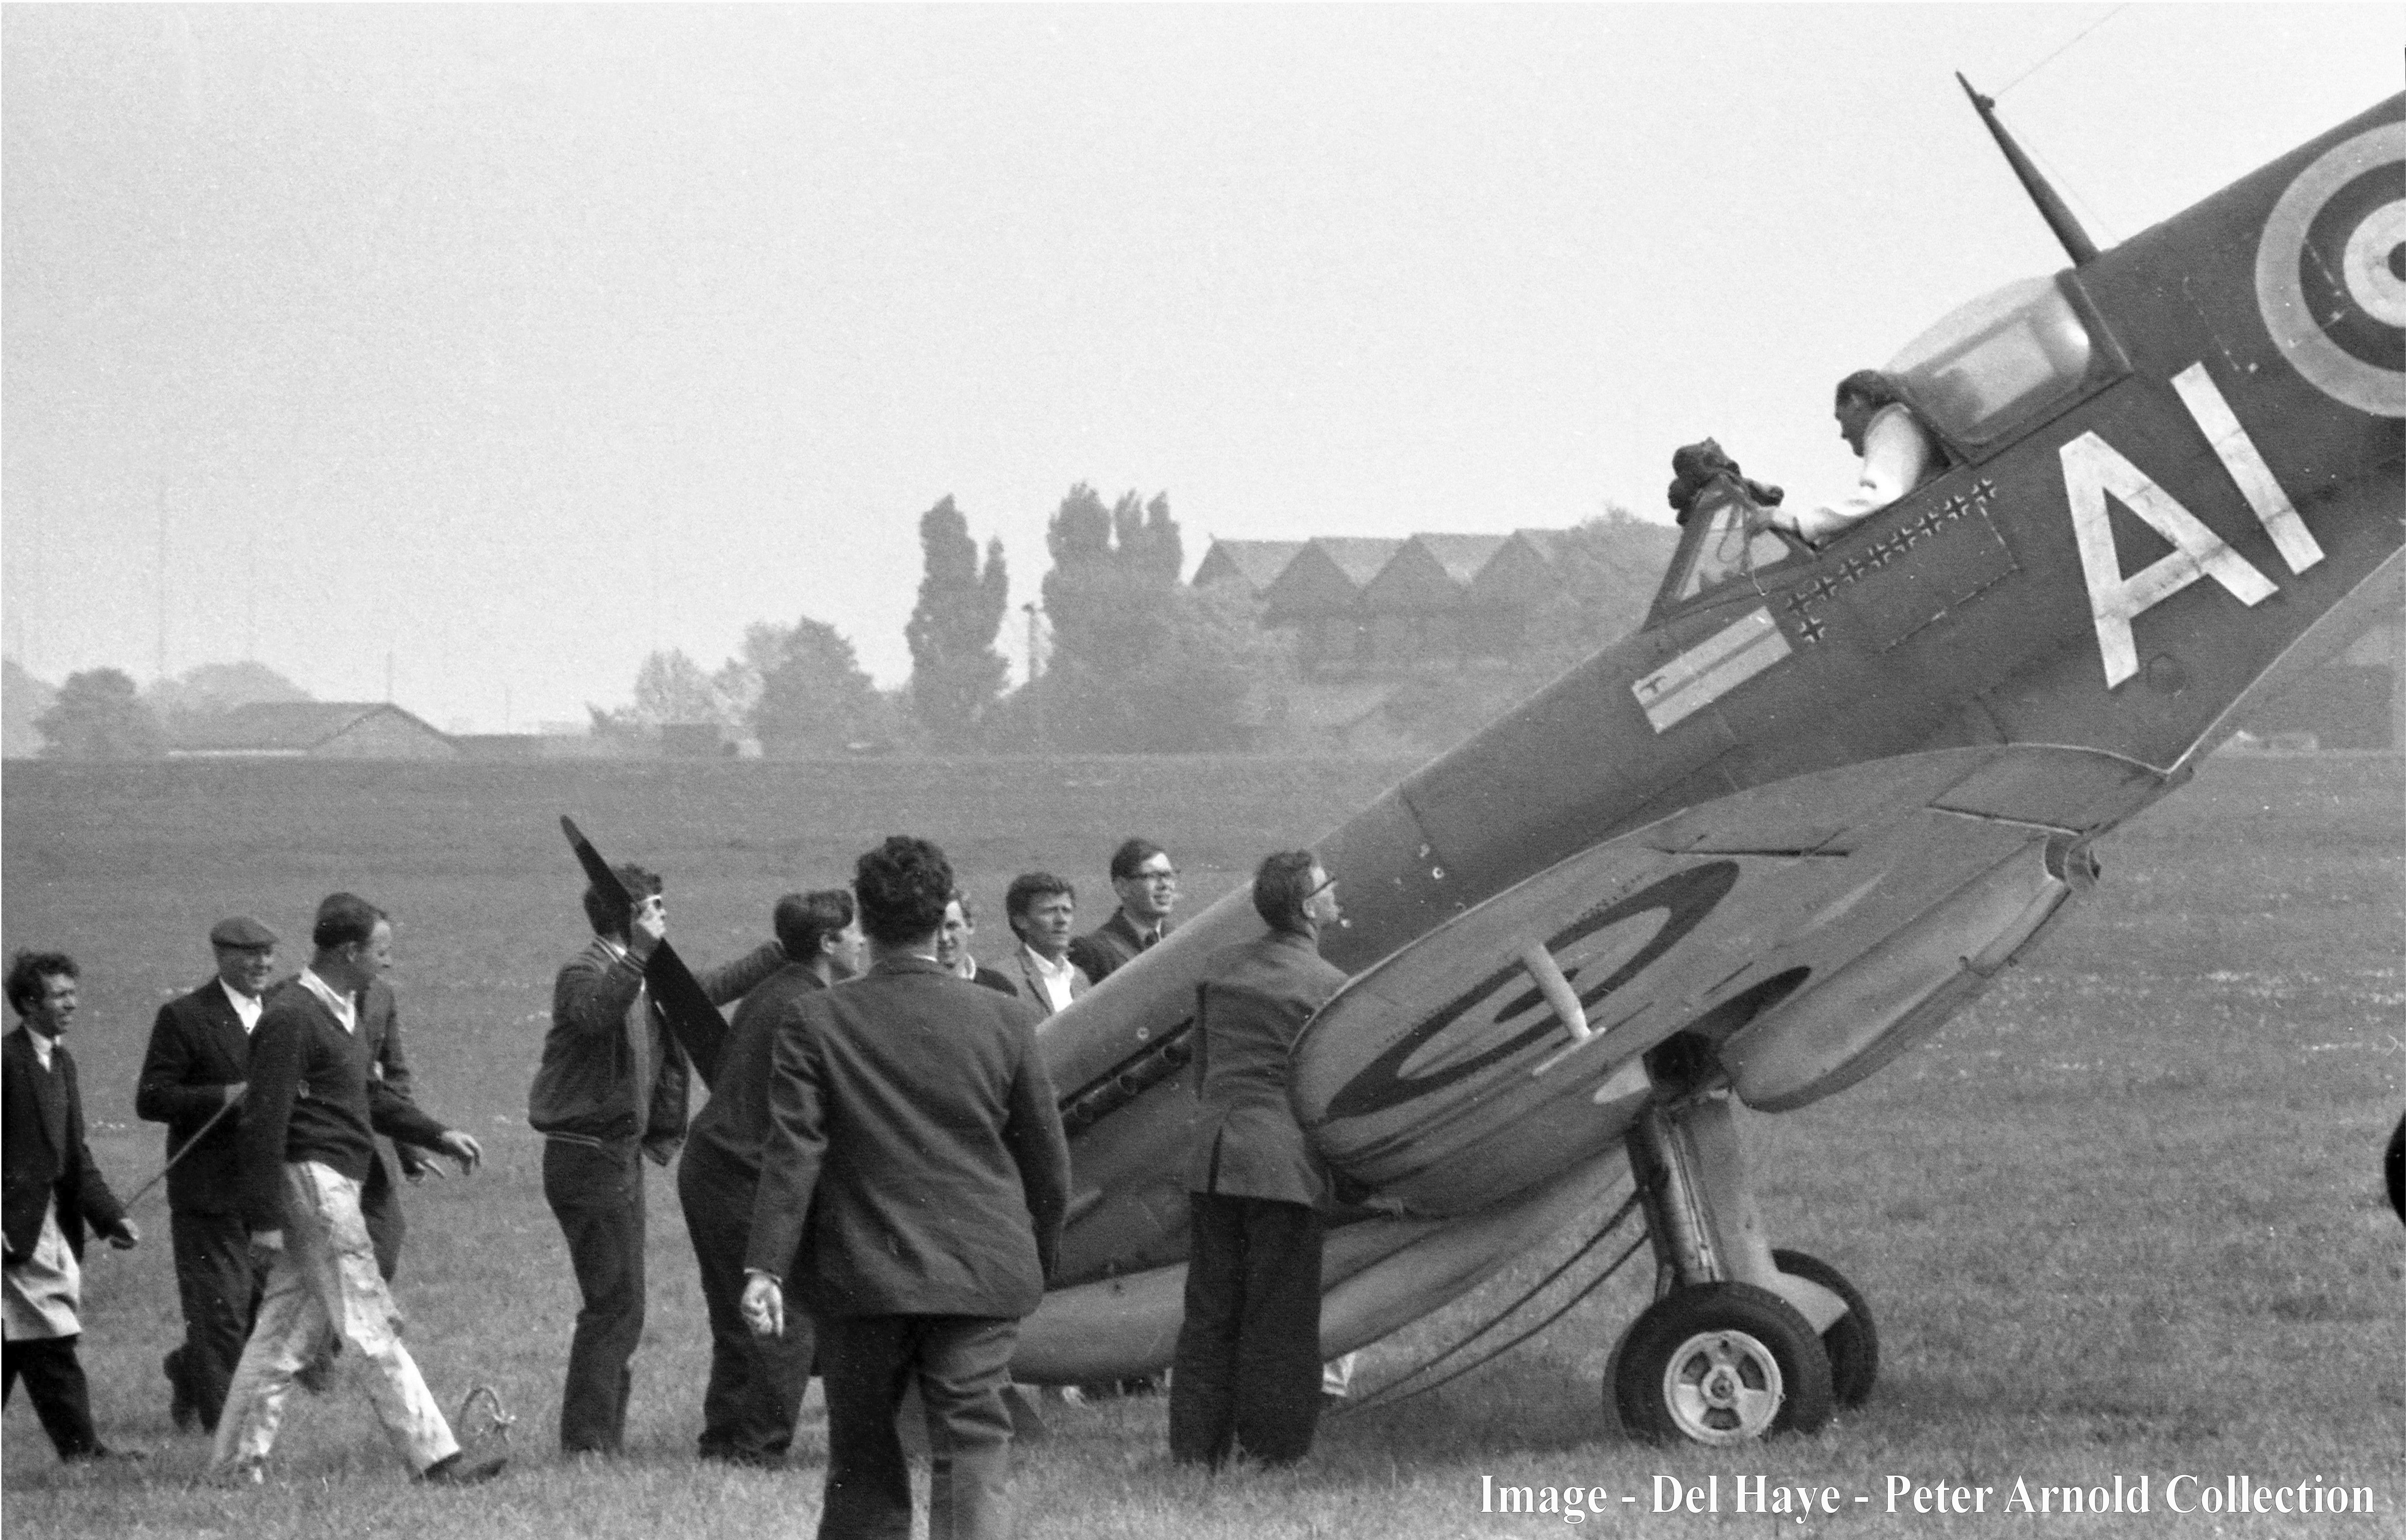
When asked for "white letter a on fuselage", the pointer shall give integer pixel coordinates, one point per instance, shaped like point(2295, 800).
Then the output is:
point(2093, 470)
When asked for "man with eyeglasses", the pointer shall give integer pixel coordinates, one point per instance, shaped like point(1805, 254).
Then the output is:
point(1248, 1375)
point(1147, 882)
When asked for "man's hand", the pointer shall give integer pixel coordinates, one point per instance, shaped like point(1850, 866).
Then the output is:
point(234, 1090)
point(126, 1236)
point(266, 1247)
point(464, 1149)
point(764, 1306)
point(649, 926)
point(416, 1165)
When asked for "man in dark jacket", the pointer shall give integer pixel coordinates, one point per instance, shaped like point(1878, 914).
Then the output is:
point(1147, 883)
point(913, 1187)
point(609, 1093)
point(952, 947)
point(52, 1189)
point(193, 1078)
point(756, 1387)
point(309, 1139)
point(1247, 1366)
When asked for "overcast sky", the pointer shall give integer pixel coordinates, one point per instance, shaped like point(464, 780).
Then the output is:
point(511, 343)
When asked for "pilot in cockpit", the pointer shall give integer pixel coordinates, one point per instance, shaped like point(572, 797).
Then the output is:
point(1897, 451)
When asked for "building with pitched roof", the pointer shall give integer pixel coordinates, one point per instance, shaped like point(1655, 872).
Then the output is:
point(314, 729)
point(1253, 564)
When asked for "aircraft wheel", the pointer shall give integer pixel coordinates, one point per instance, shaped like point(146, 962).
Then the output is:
point(1720, 1363)
point(1852, 1341)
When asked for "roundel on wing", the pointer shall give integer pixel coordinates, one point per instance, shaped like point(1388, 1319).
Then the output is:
point(1501, 1014)
point(2331, 271)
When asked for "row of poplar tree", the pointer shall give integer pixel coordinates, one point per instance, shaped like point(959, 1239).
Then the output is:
point(1137, 662)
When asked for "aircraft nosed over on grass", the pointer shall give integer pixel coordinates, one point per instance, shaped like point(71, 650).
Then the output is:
point(1754, 851)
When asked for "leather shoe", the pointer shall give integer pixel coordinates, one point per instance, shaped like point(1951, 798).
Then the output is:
point(452, 1471)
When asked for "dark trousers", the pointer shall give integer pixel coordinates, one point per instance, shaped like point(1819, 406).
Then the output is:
point(597, 1195)
point(1248, 1365)
point(962, 1364)
point(213, 1279)
point(54, 1384)
point(754, 1395)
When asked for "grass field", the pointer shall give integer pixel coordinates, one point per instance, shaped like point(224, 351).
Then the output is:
point(2120, 1218)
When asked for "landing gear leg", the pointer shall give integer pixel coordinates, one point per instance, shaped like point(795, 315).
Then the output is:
point(1742, 1342)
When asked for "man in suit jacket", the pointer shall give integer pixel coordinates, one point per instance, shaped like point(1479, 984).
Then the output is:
point(1247, 1366)
point(193, 1077)
point(913, 1187)
point(307, 1142)
point(754, 1394)
point(53, 1189)
point(1042, 910)
point(1147, 883)
point(952, 947)
point(609, 1095)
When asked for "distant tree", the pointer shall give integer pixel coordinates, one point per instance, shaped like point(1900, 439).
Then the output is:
point(1142, 664)
point(98, 714)
point(1608, 569)
point(22, 699)
point(956, 672)
point(738, 681)
point(816, 699)
point(671, 687)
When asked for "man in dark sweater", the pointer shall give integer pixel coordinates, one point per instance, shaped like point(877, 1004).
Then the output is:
point(912, 1184)
point(609, 1095)
point(756, 1383)
point(307, 1141)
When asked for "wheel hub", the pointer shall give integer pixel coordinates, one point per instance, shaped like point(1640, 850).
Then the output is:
point(1722, 1388)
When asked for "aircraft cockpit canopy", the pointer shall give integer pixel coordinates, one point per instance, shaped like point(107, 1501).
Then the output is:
point(1997, 364)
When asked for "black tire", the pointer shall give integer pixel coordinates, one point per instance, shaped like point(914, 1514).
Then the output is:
point(1719, 1363)
point(1852, 1340)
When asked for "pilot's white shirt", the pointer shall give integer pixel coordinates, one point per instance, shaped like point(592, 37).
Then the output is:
point(1898, 456)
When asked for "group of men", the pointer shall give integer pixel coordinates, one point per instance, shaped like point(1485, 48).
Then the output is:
point(874, 1185)
point(279, 1209)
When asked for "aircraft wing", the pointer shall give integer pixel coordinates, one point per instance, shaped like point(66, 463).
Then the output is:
point(1794, 930)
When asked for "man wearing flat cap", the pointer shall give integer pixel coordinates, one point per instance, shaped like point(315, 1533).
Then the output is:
point(193, 1073)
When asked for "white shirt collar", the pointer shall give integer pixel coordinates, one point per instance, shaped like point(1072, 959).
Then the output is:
point(42, 1046)
point(1045, 967)
point(345, 1008)
point(247, 1007)
point(1053, 978)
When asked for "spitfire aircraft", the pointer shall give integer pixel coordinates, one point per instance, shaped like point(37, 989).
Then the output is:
point(1751, 853)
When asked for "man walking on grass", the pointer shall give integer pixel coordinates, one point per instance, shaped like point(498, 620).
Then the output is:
point(54, 1191)
point(308, 1138)
point(913, 1186)
point(192, 1080)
